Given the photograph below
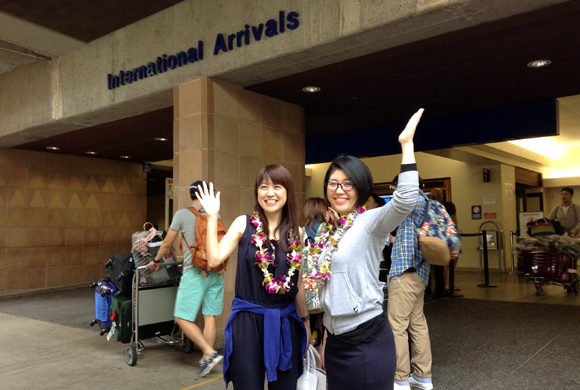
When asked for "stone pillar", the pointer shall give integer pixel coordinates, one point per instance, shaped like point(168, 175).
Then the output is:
point(225, 134)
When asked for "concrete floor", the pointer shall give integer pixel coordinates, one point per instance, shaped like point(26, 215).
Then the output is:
point(46, 342)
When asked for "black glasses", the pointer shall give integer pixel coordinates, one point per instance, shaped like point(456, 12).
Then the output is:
point(346, 186)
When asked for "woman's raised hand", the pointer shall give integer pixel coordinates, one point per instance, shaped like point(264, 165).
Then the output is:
point(407, 135)
point(209, 202)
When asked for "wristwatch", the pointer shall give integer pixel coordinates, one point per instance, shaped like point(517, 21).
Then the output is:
point(156, 261)
point(305, 318)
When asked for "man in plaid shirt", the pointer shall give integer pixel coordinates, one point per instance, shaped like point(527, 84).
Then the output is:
point(408, 278)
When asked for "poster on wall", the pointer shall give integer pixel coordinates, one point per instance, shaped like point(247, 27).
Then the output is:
point(525, 217)
point(476, 212)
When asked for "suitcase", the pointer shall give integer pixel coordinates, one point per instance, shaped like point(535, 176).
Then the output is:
point(103, 292)
point(120, 269)
point(569, 268)
point(545, 263)
point(121, 317)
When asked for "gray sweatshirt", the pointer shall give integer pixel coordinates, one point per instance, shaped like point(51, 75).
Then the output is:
point(570, 219)
point(353, 295)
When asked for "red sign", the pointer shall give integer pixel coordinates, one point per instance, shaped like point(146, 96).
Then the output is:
point(490, 215)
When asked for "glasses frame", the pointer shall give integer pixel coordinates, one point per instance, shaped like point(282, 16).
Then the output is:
point(341, 185)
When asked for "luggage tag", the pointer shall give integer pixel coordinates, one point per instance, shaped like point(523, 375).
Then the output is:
point(113, 328)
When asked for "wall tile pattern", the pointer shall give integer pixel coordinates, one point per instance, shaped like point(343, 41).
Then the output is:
point(62, 217)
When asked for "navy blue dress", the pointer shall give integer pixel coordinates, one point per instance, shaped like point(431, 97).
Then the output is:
point(246, 369)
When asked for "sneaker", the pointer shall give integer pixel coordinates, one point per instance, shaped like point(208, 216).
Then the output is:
point(206, 365)
point(402, 386)
point(417, 383)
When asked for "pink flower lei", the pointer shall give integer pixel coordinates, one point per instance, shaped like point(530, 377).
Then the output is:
point(329, 239)
point(263, 259)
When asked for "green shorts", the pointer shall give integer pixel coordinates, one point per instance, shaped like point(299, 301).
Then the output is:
point(195, 290)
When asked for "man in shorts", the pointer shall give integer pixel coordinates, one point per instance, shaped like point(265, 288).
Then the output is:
point(194, 290)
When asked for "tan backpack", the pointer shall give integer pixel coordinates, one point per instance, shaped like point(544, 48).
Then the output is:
point(198, 250)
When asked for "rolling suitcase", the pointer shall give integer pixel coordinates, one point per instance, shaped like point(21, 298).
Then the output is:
point(103, 292)
point(540, 263)
point(568, 268)
point(120, 269)
point(121, 317)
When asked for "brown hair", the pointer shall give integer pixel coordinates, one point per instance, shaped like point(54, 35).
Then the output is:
point(315, 210)
point(277, 174)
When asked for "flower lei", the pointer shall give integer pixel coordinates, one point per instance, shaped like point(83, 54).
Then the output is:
point(329, 239)
point(263, 259)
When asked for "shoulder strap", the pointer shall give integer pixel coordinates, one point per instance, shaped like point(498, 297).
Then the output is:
point(427, 200)
point(194, 210)
point(197, 214)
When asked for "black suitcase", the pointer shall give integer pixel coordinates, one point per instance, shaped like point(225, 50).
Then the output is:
point(120, 270)
point(121, 319)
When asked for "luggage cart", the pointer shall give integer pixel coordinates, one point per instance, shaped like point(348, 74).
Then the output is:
point(549, 266)
point(152, 314)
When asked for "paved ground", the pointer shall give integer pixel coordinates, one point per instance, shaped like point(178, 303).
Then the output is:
point(481, 341)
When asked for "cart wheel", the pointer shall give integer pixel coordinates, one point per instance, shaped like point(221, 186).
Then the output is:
point(131, 354)
point(187, 345)
point(540, 290)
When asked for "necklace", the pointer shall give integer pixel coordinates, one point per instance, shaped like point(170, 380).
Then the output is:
point(315, 276)
point(264, 259)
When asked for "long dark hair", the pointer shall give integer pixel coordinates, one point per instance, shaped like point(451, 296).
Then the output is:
point(277, 174)
point(314, 210)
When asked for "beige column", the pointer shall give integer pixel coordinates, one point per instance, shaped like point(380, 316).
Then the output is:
point(225, 134)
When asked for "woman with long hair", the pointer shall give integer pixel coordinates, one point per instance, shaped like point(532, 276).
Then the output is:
point(269, 326)
point(315, 214)
point(359, 347)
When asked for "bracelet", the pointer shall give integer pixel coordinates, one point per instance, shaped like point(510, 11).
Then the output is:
point(156, 261)
point(305, 318)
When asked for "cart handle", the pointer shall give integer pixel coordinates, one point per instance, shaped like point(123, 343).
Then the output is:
point(174, 263)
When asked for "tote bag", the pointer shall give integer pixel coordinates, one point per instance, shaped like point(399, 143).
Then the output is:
point(312, 378)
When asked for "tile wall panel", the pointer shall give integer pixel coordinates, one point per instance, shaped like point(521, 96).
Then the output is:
point(62, 217)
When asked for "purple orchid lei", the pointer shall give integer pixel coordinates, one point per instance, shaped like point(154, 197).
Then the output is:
point(264, 260)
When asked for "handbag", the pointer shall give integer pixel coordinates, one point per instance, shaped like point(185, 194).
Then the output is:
point(437, 234)
point(312, 378)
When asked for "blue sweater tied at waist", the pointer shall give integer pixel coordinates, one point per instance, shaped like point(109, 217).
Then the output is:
point(277, 337)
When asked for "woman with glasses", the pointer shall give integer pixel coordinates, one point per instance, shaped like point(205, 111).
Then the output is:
point(360, 350)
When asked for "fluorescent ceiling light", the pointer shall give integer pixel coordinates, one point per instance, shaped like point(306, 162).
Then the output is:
point(544, 146)
point(311, 89)
point(560, 173)
point(539, 63)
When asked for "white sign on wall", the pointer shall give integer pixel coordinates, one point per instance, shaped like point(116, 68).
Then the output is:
point(509, 190)
point(488, 199)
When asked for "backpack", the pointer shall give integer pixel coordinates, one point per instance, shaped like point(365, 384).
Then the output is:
point(437, 234)
point(198, 249)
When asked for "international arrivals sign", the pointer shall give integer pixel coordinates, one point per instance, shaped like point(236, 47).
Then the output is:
point(244, 37)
